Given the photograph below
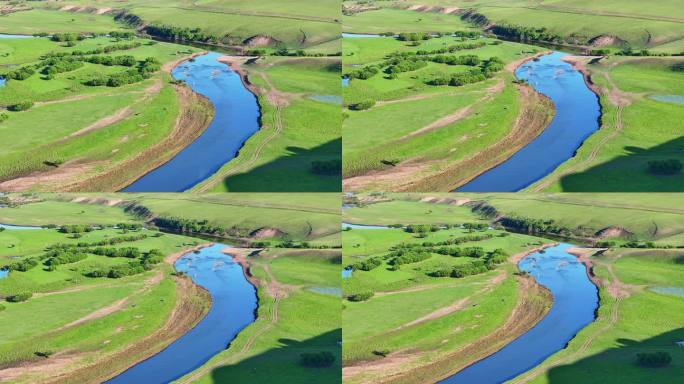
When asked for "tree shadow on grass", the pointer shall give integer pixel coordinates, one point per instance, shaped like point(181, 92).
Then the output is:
point(292, 172)
point(618, 364)
point(629, 173)
point(281, 364)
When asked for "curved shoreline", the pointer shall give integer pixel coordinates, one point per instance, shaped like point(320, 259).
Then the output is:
point(172, 259)
point(560, 137)
point(177, 139)
point(237, 119)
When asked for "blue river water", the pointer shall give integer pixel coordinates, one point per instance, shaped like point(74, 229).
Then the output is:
point(18, 227)
point(359, 35)
point(576, 118)
point(233, 306)
point(236, 119)
point(575, 300)
point(363, 226)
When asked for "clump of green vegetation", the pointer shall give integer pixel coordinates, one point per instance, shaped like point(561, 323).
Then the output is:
point(22, 106)
point(363, 105)
point(654, 360)
point(19, 297)
point(361, 296)
point(317, 359)
point(3, 117)
point(368, 264)
point(364, 73)
point(665, 167)
point(22, 73)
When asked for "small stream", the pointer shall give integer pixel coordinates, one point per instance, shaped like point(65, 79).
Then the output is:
point(576, 118)
point(234, 303)
point(236, 119)
point(575, 301)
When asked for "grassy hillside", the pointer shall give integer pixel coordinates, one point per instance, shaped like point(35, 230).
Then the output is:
point(296, 24)
point(658, 27)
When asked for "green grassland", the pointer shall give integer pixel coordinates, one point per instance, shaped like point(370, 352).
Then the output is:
point(403, 320)
point(310, 217)
point(398, 20)
point(656, 27)
point(300, 23)
point(297, 131)
point(633, 132)
point(640, 320)
point(38, 20)
point(62, 317)
point(410, 124)
point(149, 110)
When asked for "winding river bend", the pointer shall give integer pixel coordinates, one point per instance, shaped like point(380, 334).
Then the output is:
point(236, 119)
point(233, 306)
point(577, 117)
point(575, 300)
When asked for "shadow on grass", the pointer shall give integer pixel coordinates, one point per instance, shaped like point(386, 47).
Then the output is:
point(629, 173)
point(618, 364)
point(291, 173)
point(281, 364)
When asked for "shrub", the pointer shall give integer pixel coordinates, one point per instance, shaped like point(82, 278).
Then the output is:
point(2, 307)
point(19, 297)
point(654, 360)
point(317, 359)
point(3, 117)
point(23, 106)
point(665, 167)
point(360, 106)
point(362, 296)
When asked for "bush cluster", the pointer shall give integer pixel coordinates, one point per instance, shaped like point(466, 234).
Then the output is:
point(362, 296)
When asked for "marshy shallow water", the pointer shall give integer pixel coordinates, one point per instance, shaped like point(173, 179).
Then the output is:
point(576, 118)
point(575, 300)
point(235, 120)
point(233, 307)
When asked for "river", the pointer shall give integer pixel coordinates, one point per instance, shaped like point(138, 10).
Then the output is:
point(575, 300)
point(236, 118)
point(234, 303)
point(576, 118)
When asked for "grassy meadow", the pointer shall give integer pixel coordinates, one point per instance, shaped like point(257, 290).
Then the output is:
point(424, 321)
point(75, 322)
point(657, 26)
point(298, 24)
